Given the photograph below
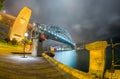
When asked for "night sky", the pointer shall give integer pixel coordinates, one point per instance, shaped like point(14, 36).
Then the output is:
point(87, 20)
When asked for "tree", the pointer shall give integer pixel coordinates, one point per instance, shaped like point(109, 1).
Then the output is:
point(7, 39)
point(14, 41)
point(3, 34)
point(1, 4)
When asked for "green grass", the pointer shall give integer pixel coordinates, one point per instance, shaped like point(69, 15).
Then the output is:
point(6, 48)
point(7, 45)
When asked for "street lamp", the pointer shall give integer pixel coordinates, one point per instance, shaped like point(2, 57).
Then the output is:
point(24, 41)
point(26, 34)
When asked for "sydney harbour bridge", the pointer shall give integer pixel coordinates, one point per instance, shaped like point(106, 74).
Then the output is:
point(38, 33)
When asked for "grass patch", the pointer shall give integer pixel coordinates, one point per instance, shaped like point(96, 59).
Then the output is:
point(7, 45)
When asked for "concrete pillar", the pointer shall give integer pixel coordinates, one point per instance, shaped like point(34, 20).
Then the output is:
point(37, 48)
point(97, 57)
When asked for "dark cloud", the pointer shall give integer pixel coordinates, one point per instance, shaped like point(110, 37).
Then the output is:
point(87, 20)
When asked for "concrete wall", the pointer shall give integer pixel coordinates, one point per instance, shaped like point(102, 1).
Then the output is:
point(73, 73)
point(97, 58)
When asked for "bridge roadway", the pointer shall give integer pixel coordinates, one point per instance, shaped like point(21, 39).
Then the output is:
point(13, 66)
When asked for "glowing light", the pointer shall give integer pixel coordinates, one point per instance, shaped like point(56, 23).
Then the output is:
point(21, 59)
point(26, 34)
point(40, 27)
point(3, 11)
point(34, 23)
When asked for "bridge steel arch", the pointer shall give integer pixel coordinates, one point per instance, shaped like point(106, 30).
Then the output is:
point(54, 32)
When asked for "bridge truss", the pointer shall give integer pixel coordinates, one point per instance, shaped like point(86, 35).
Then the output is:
point(53, 32)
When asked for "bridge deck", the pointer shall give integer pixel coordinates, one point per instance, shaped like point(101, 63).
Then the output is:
point(13, 66)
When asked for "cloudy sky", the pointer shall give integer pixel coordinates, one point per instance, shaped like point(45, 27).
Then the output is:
point(87, 20)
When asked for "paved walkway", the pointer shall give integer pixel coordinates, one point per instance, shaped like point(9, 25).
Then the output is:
point(13, 66)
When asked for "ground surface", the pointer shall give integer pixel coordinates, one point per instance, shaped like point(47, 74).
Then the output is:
point(14, 66)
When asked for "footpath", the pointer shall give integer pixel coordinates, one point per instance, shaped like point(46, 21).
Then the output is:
point(14, 66)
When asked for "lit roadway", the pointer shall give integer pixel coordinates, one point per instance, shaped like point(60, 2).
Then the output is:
point(13, 66)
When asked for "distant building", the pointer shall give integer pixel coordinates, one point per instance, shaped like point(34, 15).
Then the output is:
point(20, 25)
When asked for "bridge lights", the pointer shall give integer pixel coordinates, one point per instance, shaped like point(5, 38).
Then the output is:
point(34, 23)
point(49, 31)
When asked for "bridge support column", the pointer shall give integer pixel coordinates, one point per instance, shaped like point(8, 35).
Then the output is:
point(37, 48)
point(97, 58)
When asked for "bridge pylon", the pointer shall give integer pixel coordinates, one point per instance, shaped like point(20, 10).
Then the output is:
point(37, 48)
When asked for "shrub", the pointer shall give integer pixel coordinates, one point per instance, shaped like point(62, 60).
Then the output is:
point(14, 41)
point(7, 39)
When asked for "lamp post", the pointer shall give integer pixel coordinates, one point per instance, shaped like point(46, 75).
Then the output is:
point(26, 35)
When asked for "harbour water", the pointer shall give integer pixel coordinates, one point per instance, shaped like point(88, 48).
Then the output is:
point(76, 59)
point(80, 59)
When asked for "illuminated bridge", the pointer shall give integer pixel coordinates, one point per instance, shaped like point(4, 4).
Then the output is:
point(97, 57)
point(53, 32)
